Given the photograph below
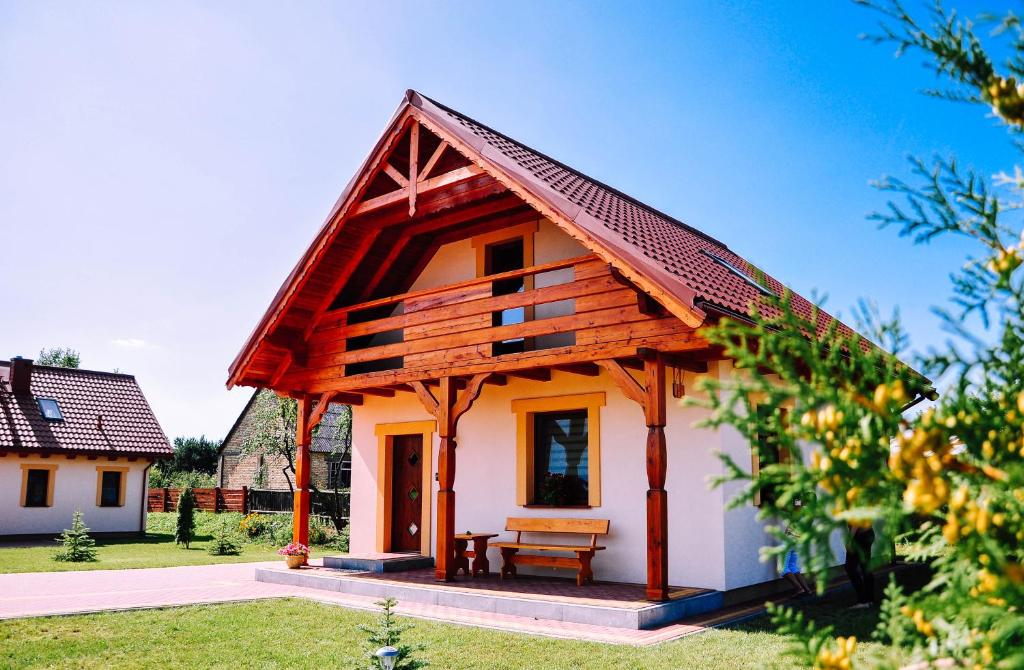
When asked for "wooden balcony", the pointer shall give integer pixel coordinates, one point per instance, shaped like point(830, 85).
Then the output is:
point(575, 311)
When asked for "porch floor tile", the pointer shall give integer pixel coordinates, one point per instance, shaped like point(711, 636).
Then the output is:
point(531, 587)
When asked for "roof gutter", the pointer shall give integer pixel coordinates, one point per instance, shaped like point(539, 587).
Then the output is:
point(145, 498)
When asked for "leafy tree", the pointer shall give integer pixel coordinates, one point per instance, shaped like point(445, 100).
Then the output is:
point(273, 431)
point(193, 464)
point(76, 545)
point(59, 358)
point(947, 480)
point(388, 633)
point(185, 528)
point(273, 435)
point(195, 454)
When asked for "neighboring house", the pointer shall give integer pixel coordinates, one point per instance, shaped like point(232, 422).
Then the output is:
point(329, 457)
point(467, 288)
point(74, 440)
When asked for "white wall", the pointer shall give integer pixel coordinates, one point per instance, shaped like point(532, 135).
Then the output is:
point(486, 488)
point(74, 487)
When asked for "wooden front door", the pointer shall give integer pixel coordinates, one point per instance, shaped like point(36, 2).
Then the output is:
point(406, 492)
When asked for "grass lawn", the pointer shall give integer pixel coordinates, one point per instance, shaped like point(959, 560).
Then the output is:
point(300, 634)
point(155, 550)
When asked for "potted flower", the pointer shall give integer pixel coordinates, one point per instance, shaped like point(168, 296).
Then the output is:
point(295, 554)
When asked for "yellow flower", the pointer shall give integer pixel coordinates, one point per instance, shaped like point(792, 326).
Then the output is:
point(840, 658)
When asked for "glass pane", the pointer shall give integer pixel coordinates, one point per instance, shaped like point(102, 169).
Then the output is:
point(560, 461)
point(111, 493)
point(35, 490)
point(50, 410)
point(413, 494)
point(413, 528)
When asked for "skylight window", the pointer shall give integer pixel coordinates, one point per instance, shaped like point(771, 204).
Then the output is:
point(739, 273)
point(50, 410)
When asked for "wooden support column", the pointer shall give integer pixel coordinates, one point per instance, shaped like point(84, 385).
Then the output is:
point(447, 407)
point(657, 462)
point(651, 397)
point(303, 438)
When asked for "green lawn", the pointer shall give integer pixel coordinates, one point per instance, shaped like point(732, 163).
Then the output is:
point(156, 550)
point(300, 634)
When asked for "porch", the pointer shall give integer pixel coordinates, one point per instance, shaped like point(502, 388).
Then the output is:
point(609, 604)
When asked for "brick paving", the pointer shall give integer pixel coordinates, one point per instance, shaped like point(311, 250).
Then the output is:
point(61, 593)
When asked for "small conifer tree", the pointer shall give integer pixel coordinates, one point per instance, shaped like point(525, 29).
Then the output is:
point(186, 527)
point(226, 541)
point(388, 633)
point(76, 545)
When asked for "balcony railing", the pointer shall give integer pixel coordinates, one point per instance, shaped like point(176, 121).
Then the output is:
point(576, 301)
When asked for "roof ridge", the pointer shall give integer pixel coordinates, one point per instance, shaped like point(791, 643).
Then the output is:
point(625, 196)
point(85, 370)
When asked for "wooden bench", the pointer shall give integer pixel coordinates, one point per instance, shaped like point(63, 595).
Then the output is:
point(510, 556)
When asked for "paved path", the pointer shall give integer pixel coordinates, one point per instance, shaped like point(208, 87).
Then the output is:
point(56, 593)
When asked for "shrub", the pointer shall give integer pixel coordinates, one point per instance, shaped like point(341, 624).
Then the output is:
point(388, 633)
point(341, 540)
point(76, 545)
point(254, 525)
point(186, 524)
point(321, 533)
point(226, 541)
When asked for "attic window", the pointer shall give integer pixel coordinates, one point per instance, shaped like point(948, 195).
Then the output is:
point(50, 410)
point(739, 273)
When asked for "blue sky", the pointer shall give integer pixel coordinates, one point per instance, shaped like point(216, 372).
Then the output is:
point(164, 165)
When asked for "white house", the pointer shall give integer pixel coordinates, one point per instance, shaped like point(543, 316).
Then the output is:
point(74, 440)
point(467, 289)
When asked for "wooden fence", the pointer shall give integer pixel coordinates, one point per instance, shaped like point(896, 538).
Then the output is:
point(246, 500)
point(208, 500)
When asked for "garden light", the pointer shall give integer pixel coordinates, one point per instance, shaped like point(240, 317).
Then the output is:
point(387, 656)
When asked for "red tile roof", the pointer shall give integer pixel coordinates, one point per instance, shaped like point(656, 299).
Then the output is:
point(128, 424)
point(671, 259)
point(679, 257)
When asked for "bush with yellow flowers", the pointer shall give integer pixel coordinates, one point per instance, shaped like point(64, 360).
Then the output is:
point(948, 480)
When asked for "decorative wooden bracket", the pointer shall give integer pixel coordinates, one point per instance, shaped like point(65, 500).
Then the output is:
point(630, 387)
point(449, 416)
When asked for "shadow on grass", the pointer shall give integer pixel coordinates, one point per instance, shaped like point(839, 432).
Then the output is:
point(832, 610)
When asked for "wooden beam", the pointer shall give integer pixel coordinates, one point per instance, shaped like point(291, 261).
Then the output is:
point(456, 382)
point(433, 184)
point(536, 374)
point(414, 157)
point(432, 161)
point(380, 392)
point(685, 363)
point(426, 397)
point(303, 463)
point(317, 415)
point(497, 379)
point(585, 369)
point(657, 461)
point(469, 396)
point(630, 387)
point(399, 178)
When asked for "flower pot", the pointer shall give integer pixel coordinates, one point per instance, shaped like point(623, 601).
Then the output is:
point(294, 562)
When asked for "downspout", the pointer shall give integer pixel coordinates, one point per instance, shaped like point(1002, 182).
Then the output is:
point(145, 498)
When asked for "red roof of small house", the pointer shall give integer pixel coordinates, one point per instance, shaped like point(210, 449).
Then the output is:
point(688, 271)
point(103, 413)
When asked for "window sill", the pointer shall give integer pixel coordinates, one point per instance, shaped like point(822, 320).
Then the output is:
point(539, 506)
